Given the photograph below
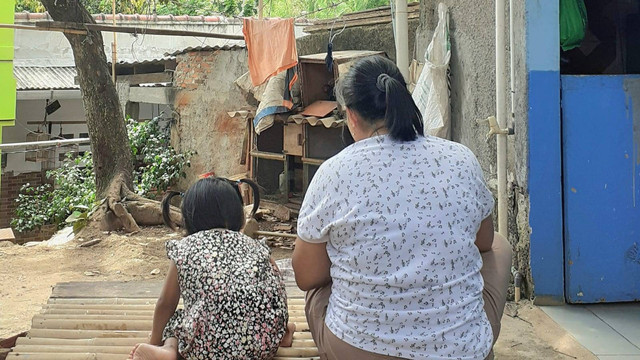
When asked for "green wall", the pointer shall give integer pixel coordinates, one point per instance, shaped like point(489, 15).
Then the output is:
point(7, 82)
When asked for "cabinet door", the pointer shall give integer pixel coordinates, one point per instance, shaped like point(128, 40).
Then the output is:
point(293, 139)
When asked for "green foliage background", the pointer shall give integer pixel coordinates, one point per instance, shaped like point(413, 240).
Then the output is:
point(314, 9)
point(72, 196)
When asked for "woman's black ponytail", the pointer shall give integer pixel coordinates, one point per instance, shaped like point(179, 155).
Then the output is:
point(166, 209)
point(402, 117)
point(376, 90)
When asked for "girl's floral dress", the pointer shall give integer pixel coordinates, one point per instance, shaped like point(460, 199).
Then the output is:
point(235, 303)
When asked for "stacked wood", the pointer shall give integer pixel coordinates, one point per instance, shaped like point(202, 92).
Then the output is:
point(381, 15)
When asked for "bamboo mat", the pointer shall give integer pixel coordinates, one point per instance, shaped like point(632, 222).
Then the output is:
point(104, 320)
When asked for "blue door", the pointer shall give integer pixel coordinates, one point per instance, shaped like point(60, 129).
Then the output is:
point(601, 187)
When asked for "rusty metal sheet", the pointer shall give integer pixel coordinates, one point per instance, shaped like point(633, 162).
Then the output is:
point(320, 108)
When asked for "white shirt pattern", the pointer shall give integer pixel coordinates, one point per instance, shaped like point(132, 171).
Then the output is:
point(400, 221)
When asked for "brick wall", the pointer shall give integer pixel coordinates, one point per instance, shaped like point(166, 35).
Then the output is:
point(10, 185)
point(193, 69)
point(44, 233)
point(205, 94)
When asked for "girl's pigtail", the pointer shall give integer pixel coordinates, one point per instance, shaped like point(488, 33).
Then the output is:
point(256, 195)
point(166, 209)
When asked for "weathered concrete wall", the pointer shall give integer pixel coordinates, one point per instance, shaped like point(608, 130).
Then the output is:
point(375, 37)
point(205, 92)
point(473, 97)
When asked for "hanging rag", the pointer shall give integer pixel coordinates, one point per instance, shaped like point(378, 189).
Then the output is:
point(271, 44)
point(277, 98)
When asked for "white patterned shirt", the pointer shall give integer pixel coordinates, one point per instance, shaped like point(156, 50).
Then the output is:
point(400, 222)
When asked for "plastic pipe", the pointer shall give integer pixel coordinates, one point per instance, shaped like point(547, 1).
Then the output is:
point(44, 143)
point(501, 139)
point(512, 68)
point(402, 38)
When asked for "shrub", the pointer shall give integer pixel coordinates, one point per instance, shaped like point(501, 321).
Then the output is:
point(73, 187)
point(72, 196)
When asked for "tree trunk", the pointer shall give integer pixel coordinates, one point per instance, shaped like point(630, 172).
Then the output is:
point(112, 159)
point(107, 129)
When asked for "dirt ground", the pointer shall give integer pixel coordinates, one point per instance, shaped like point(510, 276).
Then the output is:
point(27, 275)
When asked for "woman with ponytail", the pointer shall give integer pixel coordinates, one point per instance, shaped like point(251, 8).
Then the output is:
point(395, 244)
point(235, 304)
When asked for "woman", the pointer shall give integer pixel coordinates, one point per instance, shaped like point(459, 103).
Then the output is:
point(396, 236)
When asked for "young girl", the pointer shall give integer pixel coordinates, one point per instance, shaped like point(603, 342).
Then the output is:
point(235, 304)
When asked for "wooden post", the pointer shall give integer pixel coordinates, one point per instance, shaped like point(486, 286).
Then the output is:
point(114, 45)
point(260, 8)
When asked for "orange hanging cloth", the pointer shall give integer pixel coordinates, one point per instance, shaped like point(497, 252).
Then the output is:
point(271, 44)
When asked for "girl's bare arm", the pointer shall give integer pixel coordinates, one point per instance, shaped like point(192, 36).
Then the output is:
point(166, 305)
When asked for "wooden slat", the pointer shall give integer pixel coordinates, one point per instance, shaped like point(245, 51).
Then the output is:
point(67, 356)
point(86, 342)
point(292, 293)
point(72, 349)
point(290, 302)
point(306, 160)
point(122, 325)
point(115, 311)
point(298, 341)
point(111, 301)
point(267, 155)
point(293, 317)
point(98, 312)
point(136, 325)
point(297, 352)
point(360, 22)
point(108, 289)
point(85, 334)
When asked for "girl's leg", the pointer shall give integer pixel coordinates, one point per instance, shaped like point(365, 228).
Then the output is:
point(168, 351)
point(287, 339)
point(496, 266)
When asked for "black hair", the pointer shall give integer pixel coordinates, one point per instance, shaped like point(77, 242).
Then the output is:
point(375, 89)
point(211, 203)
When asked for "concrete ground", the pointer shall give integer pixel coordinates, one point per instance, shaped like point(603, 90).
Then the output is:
point(528, 333)
point(610, 331)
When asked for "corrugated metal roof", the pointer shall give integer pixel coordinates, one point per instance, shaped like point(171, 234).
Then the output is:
point(328, 122)
point(45, 78)
point(161, 60)
point(207, 48)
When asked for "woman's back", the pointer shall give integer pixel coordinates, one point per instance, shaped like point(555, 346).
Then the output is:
point(400, 219)
point(234, 300)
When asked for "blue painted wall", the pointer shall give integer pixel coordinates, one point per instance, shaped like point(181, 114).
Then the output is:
point(545, 155)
